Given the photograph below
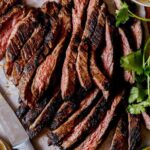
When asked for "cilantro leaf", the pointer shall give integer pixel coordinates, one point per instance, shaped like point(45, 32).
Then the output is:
point(122, 15)
point(133, 62)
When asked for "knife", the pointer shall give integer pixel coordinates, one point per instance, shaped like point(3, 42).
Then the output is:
point(12, 128)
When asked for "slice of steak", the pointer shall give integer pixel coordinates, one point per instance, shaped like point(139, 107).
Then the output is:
point(128, 76)
point(118, 3)
point(94, 139)
point(97, 40)
point(146, 118)
point(137, 33)
point(28, 74)
point(5, 5)
point(120, 138)
point(28, 50)
point(47, 113)
point(7, 23)
point(20, 34)
point(85, 127)
point(69, 75)
point(60, 133)
point(134, 130)
point(83, 49)
point(108, 53)
point(64, 112)
point(42, 81)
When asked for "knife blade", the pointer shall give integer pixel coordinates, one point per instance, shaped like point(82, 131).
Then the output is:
point(12, 128)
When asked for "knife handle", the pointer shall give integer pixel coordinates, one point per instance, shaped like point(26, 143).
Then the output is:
point(25, 146)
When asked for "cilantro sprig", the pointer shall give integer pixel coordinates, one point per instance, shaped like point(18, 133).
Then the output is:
point(124, 14)
point(139, 63)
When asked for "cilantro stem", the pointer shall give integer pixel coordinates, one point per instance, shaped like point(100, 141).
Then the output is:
point(137, 17)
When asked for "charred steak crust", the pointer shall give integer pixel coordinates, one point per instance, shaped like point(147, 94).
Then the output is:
point(69, 75)
point(134, 130)
point(120, 138)
point(21, 33)
point(83, 49)
point(85, 127)
point(61, 132)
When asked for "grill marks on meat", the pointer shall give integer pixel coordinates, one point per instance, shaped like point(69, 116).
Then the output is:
point(94, 139)
point(69, 75)
point(128, 76)
point(108, 52)
point(5, 5)
point(47, 112)
point(99, 78)
point(119, 141)
point(28, 50)
point(137, 32)
point(57, 135)
point(47, 69)
point(146, 118)
point(64, 112)
point(87, 125)
point(20, 34)
point(7, 23)
point(134, 128)
point(83, 54)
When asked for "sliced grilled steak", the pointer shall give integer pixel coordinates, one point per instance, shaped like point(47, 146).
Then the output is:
point(5, 5)
point(20, 34)
point(146, 118)
point(47, 112)
point(107, 55)
point(120, 138)
point(69, 75)
point(134, 128)
point(99, 78)
point(57, 135)
point(128, 76)
point(118, 3)
point(28, 50)
point(42, 81)
point(83, 54)
point(85, 127)
point(7, 23)
point(137, 32)
point(28, 74)
point(64, 112)
point(94, 139)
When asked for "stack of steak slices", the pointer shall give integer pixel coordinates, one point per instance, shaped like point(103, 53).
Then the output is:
point(65, 60)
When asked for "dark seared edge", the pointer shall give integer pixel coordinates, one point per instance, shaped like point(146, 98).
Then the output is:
point(97, 40)
point(42, 81)
point(69, 75)
point(134, 130)
point(28, 50)
point(5, 5)
point(20, 34)
point(94, 139)
point(85, 127)
point(126, 49)
point(60, 133)
point(120, 138)
point(7, 23)
point(108, 53)
point(64, 112)
point(47, 114)
point(83, 49)
point(22, 110)
point(146, 118)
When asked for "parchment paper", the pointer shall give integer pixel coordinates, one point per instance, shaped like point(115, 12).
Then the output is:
point(11, 94)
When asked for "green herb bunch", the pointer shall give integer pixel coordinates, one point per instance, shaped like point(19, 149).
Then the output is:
point(139, 63)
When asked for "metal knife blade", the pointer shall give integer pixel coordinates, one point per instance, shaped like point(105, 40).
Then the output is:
point(11, 126)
